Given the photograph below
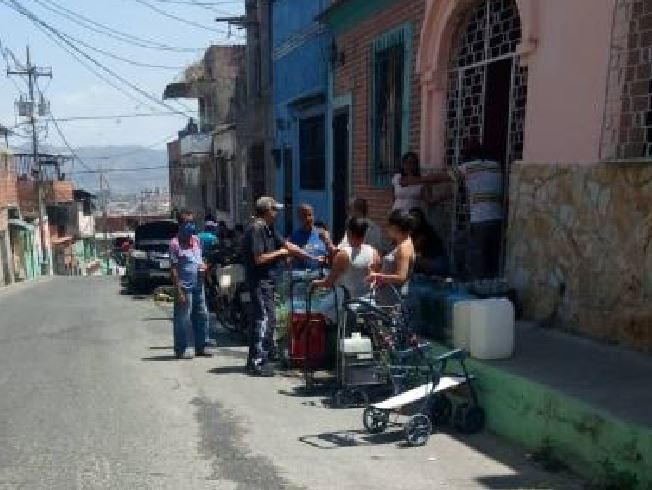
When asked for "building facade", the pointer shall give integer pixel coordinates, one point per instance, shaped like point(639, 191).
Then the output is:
point(202, 176)
point(374, 94)
point(564, 98)
point(8, 203)
point(300, 60)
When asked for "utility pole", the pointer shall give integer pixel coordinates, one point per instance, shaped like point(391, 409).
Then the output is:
point(104, 218)
point(144, 193)
point(142, 207)
point(33, 73)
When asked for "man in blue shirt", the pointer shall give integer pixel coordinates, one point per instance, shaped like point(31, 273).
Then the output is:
point(208, 237)
point(308, 238)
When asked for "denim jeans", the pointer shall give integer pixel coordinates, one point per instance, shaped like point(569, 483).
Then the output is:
point(193, 312)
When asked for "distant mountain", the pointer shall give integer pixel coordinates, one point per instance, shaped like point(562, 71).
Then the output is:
point(113, 158)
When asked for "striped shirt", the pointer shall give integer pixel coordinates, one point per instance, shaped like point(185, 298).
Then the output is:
point(484, 188)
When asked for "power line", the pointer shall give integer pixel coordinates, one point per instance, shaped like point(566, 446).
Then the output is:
point(133, 152)
point(114, 170)
point(177, 18)
point(67, 143)
point(116, 116)
point(98, 28)
point(84, 63)
point(18, 7)
point(210, 6)
point(120, 58)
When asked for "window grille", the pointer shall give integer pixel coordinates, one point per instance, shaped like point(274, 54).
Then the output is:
point(490, 33)
point(627, 126)
point(391, 61)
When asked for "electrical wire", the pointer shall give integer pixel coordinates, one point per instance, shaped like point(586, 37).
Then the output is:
point(116, 116)
point(120, 58)
point(67, 143)
point(134, 152)
point(164, 13)
point(91, 25)
point(18, 7)
point(84, 63)
point(115, 170)
point(210, 6)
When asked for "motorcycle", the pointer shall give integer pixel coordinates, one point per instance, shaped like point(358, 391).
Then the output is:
point(227, 294)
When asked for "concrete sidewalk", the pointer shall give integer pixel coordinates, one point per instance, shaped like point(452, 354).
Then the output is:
point(586, 404)
point(612, 378)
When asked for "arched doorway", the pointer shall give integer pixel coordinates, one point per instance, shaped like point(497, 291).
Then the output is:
point(487, 86)
point(486, 95)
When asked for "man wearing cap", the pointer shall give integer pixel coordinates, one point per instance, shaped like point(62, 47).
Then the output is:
point(263, 248)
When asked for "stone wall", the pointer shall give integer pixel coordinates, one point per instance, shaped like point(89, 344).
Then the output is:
point(580, 248)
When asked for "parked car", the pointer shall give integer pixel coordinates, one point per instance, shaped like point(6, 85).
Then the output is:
point(148, 262)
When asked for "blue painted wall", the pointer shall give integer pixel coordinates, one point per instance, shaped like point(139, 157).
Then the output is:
point(300, 52)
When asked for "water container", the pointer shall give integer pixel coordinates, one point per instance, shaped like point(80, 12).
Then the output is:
point(492, 329)
point(462, 324)
point(357, 344)
point(450, 300)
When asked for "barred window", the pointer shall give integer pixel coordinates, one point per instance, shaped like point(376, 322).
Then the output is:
point(627, 127)
point(390, 107)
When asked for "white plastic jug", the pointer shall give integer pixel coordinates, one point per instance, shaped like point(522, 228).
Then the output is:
point(491, 329)
point(356, 344)
point(462, 324)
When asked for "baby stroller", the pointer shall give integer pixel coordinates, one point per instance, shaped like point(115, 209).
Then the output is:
point(431, 406)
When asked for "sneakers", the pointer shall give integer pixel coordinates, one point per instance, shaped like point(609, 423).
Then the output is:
point(182, 355)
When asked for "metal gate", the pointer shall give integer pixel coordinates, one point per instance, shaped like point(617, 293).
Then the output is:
point(489, 34)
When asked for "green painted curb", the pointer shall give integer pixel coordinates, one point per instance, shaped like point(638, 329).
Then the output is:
point(592, 442)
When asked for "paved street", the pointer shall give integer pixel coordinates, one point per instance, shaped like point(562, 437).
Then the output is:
point(91, 398)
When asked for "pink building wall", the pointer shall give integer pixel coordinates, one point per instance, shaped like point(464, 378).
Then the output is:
point(566, 47)
point(567, 81)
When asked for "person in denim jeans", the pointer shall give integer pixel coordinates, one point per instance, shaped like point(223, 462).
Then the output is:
point(187, 270)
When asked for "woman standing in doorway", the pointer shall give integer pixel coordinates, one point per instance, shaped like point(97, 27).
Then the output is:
point(410, 187)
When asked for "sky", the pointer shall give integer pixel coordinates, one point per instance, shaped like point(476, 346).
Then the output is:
point(75, 91)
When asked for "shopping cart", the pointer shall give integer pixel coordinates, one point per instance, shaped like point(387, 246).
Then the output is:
point(304, 341)
point(369, 337)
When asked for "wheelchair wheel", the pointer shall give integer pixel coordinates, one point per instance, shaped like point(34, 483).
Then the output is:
point(418, 429)
point(375, 420)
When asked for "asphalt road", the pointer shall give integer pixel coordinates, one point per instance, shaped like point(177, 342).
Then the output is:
point(90, 398)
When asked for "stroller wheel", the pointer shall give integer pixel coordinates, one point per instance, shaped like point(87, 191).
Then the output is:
point(441, 410)
point(359, 398)
point(350, 397)
point(469, 419)
point(375, 420)
point(418, 429)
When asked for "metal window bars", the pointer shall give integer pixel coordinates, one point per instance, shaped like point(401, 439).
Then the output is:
point(491, 32)
point(627, 124)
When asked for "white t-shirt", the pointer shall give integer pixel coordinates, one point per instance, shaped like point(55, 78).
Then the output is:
point(408, 196)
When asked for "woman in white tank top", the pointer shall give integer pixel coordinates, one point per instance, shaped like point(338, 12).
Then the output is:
point(398, 265)
point(352, 263)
